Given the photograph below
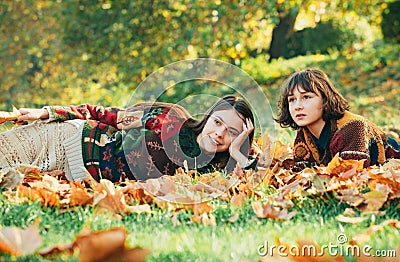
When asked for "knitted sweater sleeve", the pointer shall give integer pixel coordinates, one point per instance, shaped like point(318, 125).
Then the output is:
point(104, 115)
point(351, 142)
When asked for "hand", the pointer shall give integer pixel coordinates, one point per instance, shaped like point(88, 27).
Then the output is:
point(31, 114)
point(234, 148)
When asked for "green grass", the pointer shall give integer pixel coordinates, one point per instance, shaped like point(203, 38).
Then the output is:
point(238, 241)
point(361, 75)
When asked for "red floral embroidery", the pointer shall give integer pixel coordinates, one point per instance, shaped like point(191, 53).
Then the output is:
point(119, 165)
point(107, 173)
point(107, 154)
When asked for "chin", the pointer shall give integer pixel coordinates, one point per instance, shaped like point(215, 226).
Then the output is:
point(211, 150)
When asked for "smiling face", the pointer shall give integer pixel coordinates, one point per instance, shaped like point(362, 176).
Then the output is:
point(221, 128)
point(306, 109)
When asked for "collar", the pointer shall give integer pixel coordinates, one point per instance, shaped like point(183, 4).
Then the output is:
point(323, 139)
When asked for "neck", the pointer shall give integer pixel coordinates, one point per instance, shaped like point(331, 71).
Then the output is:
point(316, 128)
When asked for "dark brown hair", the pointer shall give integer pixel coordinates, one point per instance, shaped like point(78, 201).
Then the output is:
point(225, 103)
point(315, 81)
point(244, 111)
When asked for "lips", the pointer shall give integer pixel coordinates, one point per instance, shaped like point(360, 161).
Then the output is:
point(300, 116)
point(214, 142)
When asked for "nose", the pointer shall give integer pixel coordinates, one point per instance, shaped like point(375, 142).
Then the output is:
point(219, 132)
point(298, 105)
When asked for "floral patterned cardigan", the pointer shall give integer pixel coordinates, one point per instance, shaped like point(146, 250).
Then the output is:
point(119, 144)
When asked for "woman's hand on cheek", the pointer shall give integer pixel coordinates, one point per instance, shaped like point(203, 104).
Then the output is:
point(234, 148)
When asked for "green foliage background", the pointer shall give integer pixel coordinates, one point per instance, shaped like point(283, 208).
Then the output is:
point(72, 52)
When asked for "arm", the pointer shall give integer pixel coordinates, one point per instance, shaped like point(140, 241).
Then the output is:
point(234, 149)
point(351, 142)
point(107, 115)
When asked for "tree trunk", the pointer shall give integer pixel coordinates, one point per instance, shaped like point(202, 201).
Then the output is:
point(281, 32)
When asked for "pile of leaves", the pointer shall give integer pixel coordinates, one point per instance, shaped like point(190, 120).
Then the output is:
point(272, 190)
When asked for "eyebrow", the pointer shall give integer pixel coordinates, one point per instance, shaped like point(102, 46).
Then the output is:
point(304, 92)
point(229, 127)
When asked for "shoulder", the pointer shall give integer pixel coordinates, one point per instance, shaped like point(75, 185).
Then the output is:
point(352, 124)
point(350, 119)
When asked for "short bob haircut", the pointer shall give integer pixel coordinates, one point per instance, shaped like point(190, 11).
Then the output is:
point(315, 81)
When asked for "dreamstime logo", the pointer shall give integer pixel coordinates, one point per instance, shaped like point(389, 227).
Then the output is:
point(339, 248)
point(220, 75)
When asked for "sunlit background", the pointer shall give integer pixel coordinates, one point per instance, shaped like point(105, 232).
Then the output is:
point(97, 52)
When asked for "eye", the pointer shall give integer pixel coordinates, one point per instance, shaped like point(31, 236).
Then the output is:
point(291, 99)
point(233, 133)
point(217, 121)
point(307, 97)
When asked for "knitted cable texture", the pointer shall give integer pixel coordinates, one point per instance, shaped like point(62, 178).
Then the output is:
point(37, 144)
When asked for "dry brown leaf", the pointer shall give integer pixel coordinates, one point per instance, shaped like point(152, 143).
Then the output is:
point(282, 151)
point(57, 250)
point(374, 200)
point(374, 228)
point(233, 218)
point(17, 241)
point(136, 254)
point(99, 245)
point(108, 245)
point(9, 116)
point(108, 197)
point(267, 211)
point(201, 208)
point(238, 199)
point(44, 196)
point(205, 219)
point(349, 212)
point(352, 220)
point(352, 196)
point(345, 168)
point(145, 208)
point(79, 196)
point(50, 183)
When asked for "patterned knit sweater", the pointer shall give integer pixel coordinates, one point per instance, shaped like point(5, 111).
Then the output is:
point(138, 144)
point(352, 136)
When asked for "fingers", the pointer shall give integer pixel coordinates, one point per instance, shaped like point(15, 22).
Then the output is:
point(248, 127)
point(31, 114)
point(24, 111)
point(25, 115)
point(20, 122)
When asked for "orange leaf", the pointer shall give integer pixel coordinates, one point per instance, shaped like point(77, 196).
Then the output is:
point(107, 245)
point(106, 196)
point(138, 194)
point(18, 241)
point(266, 211)
point(79, 196)
point(204, 218)
point(99, 245)
point(237, 200)
point(200, 208)
point(9, 116)
point(345, 167)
